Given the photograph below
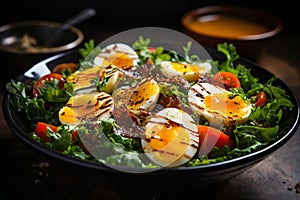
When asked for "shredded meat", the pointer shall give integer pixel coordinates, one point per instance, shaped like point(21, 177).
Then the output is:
point(130, 125)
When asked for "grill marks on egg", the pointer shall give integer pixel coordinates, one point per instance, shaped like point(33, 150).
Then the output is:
point(93, 106)
point(171, 138)
point(142, 97)
point(83, 80)
point(214, 104)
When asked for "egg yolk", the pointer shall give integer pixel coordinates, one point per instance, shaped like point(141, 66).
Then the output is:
point(67, 116)
point(143, 94)
point(120, 60)
point(221, 103)
point(168, 142)
point(184, 68)
point(79, 107)
point(189, 72)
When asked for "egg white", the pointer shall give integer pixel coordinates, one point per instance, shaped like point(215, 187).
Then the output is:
point(213, 103)
point(119, 55)
point(171, 138)
point(187, 71)
point(91, 106)
point(83, 79)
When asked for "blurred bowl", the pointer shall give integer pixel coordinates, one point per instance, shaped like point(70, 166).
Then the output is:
point(25, 43)
point(249, 29)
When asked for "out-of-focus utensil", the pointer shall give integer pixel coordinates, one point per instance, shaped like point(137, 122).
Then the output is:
point(76, 19)
point(40, 69)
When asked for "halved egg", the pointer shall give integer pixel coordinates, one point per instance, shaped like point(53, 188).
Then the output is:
point(187, 71)
point(84, 80)
point(119, 55)
point(218, 105)
point(91, 106)
point(171, 138)
point(140, 98)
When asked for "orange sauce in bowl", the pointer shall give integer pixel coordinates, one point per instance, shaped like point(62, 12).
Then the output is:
point(227, 26)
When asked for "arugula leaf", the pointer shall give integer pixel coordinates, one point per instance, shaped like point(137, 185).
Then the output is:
point(229, 51)
point(262, 134)
point(51, 92)
point(190, 58)
point(88, 54)
point(141, 43)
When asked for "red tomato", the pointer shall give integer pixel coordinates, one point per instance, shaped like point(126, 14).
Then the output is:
point(210, 137)
point(74, 135)
point(41, 130)
point(226, 79)
point(261, 99)
point(60, 68)
point(48, 77)
point(152, 49)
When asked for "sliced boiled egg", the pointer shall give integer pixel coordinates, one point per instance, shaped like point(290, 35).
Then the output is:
point(217, 105)
point(187, 71)
point(140, 98)
point(122, 95)
point(91, 106)
point(119, 55)
point(84, 80)
point(171, 138)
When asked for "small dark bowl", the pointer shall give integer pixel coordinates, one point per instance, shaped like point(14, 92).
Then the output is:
point(25, 43)
point(251, 28)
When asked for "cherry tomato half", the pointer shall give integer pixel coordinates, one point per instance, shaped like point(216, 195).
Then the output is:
point(60, 68)
point(261, 99)
point(226, 79)
point(48, 77)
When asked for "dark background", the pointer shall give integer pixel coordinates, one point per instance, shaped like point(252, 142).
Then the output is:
point(165, 13)
point(114, 16)
point(274, 178)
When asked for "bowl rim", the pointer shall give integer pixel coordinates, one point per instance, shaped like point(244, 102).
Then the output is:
point(73, 29)
point(278, 24)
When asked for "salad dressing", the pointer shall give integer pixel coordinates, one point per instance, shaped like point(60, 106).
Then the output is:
point(229, 26)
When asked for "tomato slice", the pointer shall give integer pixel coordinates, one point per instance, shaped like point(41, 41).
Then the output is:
point(210, 137)
point(226, 79)
point(48, 77)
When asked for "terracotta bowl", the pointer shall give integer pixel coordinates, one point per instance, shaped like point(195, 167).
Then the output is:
point(249, 29)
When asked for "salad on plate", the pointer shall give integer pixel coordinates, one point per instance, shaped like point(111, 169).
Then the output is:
point(141, 106)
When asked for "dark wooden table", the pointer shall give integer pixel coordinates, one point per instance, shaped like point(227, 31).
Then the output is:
point(29, 174)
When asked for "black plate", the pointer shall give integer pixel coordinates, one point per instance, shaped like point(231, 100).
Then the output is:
point(181, 177)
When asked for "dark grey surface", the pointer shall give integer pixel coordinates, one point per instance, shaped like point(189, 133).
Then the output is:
point(25, 175)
